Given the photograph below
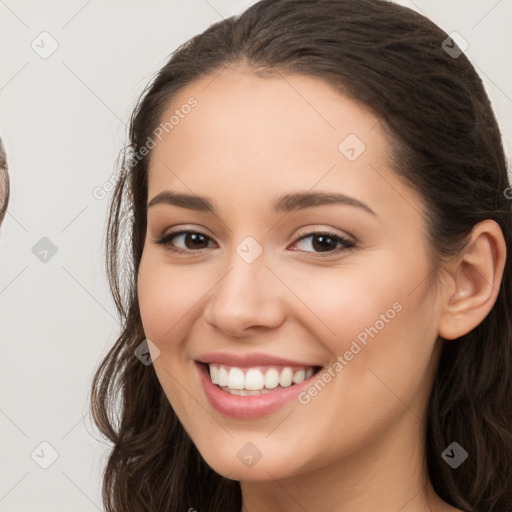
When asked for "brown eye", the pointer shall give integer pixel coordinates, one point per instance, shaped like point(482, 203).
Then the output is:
point(324, 242)
point(191, 240)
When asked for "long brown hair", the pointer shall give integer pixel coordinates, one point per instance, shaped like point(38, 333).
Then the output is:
point(445, 143)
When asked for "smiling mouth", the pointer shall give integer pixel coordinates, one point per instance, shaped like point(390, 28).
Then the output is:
point(257, 380)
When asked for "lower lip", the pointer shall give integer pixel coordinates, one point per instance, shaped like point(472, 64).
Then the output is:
point(248, 407)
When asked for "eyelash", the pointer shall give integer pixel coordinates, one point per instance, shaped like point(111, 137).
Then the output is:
point(346, 244)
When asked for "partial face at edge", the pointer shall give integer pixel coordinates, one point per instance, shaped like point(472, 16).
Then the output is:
point(247, 142)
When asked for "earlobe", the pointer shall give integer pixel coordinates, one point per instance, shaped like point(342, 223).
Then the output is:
point(475, 281)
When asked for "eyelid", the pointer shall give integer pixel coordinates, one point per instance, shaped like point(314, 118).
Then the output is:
point(345, 244)
point(164, 240)
point(325, 231)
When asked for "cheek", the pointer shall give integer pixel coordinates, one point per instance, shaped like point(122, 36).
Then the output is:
point(343, 302)
point(166, 299)
point(386, 362)
point(380, 316)
point(165, 296)
point(387, 339)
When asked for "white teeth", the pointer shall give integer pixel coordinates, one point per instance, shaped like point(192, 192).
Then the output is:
point(254, 381)
point(214, 373)
point(222, 376)
point(271, 378)
point(299, 376)
point(246, 392)
point(235, 379)
point(249, 392)
point(286, 377)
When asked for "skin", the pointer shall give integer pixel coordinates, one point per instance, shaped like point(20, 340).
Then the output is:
point(358, 445)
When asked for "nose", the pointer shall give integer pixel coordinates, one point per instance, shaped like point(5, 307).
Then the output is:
point(246, 298)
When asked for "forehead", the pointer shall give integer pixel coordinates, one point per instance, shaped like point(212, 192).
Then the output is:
point(237, 105)
point(264, 134)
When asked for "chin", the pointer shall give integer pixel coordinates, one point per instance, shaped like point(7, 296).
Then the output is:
point(237, 465)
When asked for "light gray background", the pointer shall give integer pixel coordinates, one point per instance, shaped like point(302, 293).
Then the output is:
point(63, 123)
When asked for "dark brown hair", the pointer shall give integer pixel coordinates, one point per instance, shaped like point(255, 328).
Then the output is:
point(4, 183)
point(445, 143)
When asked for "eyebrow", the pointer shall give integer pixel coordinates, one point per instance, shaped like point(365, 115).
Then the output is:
point(283, 204)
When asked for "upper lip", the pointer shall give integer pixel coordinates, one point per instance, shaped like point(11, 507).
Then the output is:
point(254, 359)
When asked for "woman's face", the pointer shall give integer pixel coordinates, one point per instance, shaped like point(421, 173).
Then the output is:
point(258, 275)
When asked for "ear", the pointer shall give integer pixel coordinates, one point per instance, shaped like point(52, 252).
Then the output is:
point(474, 280)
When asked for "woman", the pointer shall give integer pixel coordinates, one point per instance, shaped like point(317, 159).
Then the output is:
point(317, 268)
point(4, 183)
